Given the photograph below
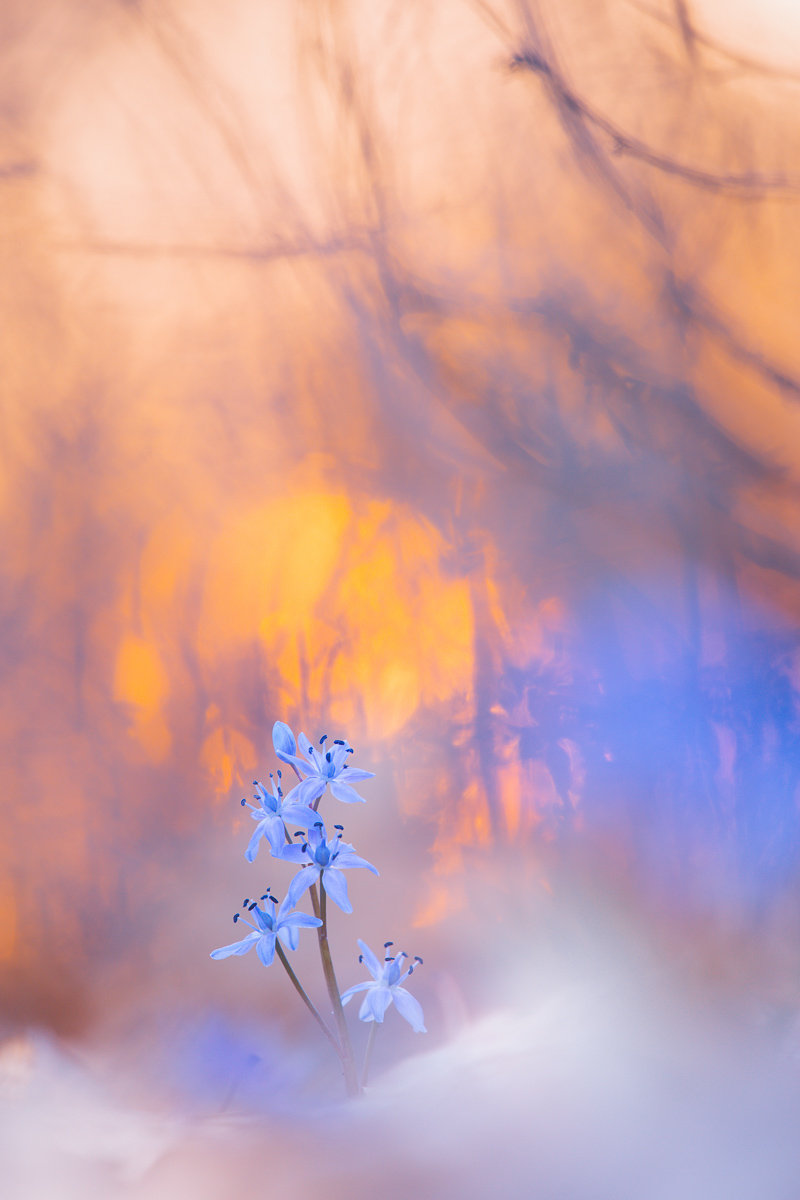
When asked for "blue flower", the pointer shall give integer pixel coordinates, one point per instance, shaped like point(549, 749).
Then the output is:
point(271, 813)
point(326, 859)
point(284, 924)
point(322, 767)
point(384, 987)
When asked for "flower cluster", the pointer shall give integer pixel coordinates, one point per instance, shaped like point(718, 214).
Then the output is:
point(322, 861)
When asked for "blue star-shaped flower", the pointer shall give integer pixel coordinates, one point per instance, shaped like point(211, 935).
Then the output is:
point(271, 813)
point(326, 859)
point(270, 924)
point(384, 987)
point(322, 767)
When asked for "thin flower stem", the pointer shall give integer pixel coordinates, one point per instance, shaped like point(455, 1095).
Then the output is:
point(348, 1058)
point(305, 999)
point(373, 1030)
point(320, 906)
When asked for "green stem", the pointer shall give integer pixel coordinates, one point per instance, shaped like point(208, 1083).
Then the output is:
point(348, 1058)
point(305, 999)
point(373, 1030)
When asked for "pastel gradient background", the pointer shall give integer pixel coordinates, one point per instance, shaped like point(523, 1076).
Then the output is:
point(426, 374)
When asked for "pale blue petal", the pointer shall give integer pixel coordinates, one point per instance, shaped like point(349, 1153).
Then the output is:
point(283, 740)
point(353, 774)
point(236, 947)
point(290, 797)
point(393, 970)
point(258, 833)
point(410, 1008)
point(301, 920)
point(302, 880)
point(292, 760)
point(299, 814)
point(276, 836)
point(308, 750)
point(310, 790)
point(290, 936)
point(266, 949)
point(291, 852)
point(343, 792)
point(359, 987)
point(346, 859)
point(316, 837)
point(283, 911)
point(335, 885)
point(338, 756)
point(377, 1001)
point(374, 967)
point(263, 920)
point(365, 1012)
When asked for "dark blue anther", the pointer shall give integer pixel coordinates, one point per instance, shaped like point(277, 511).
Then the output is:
point(385, 944)
point(351, 750)
point(243, 802)
point(338, 827)
point(235, 918)
point(360, 957)
point(328, 757)
point(418, 959)
point(338, 742)
point(304, 847)
point(253, 905)
point(318, 825)
point(324, 738)
point(245, 902)
point(266, 896)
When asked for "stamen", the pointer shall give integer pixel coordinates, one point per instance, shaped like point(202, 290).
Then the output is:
point(338, 827)
point(360, 957)
point(245, 902)
point(351, 750)
point(280, 774)
point(328, 756)
point(243, 802)
point(235, 918)
point(319, 825)
point(324, 738)
point(418, 959)
point(299, 833)
point(338, 742)
point(253, 905)
point(304, 847)
point(387, 944)
point(266, 896)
